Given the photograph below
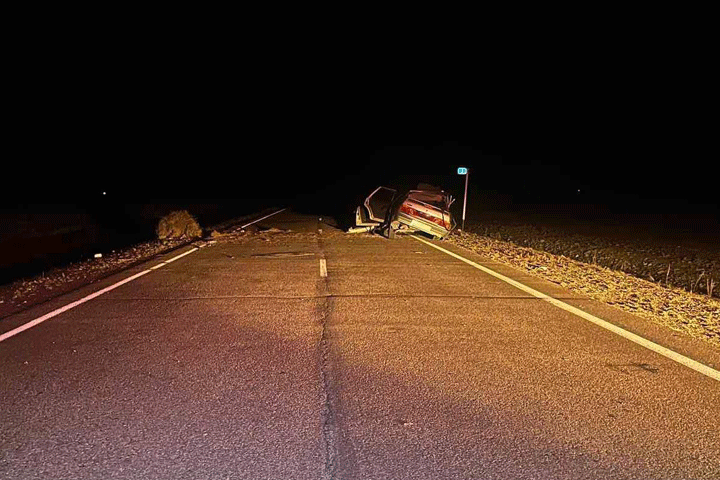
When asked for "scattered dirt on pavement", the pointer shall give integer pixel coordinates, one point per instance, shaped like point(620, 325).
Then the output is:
point(243, 235)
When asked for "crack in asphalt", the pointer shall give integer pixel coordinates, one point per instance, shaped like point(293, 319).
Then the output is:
point(329, 431)
point(341, 295)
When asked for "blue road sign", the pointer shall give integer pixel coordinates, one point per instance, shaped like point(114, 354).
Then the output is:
point(462, 171)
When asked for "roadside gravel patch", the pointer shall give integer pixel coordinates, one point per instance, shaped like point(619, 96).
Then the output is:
point(690, 313)
point(679, 262)
point(26, 292)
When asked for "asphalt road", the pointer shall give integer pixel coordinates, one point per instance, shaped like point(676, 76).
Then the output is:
point(242, 361)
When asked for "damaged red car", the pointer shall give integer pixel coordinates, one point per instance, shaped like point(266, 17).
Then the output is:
point(426, 210)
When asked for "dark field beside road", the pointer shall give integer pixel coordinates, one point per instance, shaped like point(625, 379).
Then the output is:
point(37, 238)
point(673, 250)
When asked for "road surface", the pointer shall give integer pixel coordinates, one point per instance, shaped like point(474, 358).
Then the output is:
point(307, 353)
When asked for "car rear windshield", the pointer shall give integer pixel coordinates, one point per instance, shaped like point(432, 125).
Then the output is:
point(431, 198)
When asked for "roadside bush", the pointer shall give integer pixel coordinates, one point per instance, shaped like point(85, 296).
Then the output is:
point(178, 224)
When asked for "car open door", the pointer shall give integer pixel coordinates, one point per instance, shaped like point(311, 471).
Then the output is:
point(373, 213)
point(378, 203)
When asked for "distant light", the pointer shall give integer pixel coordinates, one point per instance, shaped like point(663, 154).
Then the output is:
point(105, 193)
point(578, 190)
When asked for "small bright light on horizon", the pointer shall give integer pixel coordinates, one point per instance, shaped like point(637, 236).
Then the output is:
point(105, 193)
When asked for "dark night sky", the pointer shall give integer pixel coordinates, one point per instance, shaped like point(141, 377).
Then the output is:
point(163, 114)
point(161, 125)
point(279, 150)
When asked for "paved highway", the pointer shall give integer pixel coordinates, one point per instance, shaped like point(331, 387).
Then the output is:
point(313, 354)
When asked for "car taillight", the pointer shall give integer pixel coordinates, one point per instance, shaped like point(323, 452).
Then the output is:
point(419, 213)
point(440, 221)
point(408, 209)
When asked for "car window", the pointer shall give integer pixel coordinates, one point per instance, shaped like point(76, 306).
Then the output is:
point(434, 199)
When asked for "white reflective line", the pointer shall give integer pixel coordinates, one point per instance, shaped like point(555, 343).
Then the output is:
point(74, 304)
point(263, 218)
point(182, 255)
point(323, 268)
point(67, 307)
point(666, 352)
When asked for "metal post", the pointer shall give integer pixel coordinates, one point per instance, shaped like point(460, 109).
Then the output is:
point(467, 174)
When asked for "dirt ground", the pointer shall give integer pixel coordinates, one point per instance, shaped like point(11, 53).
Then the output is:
point(628, 276)
point(23, 293)
point(664, 254)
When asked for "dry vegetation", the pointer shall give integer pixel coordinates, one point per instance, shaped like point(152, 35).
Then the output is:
point(173, 230)
point(695, 314)
point(694, 269)
point(29, 291)
point(178, 224)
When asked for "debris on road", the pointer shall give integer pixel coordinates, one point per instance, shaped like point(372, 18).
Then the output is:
point(240, 234)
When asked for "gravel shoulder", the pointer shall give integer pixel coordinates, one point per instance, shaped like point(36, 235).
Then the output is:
point(24, 293)
point(693, 314)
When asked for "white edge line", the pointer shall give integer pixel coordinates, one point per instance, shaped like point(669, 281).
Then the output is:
point(263, 218)
point(194, 249)
point(67, 307)
point(74, 304)
point(666, 352)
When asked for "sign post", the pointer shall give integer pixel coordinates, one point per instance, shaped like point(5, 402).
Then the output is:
point(464, 171)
